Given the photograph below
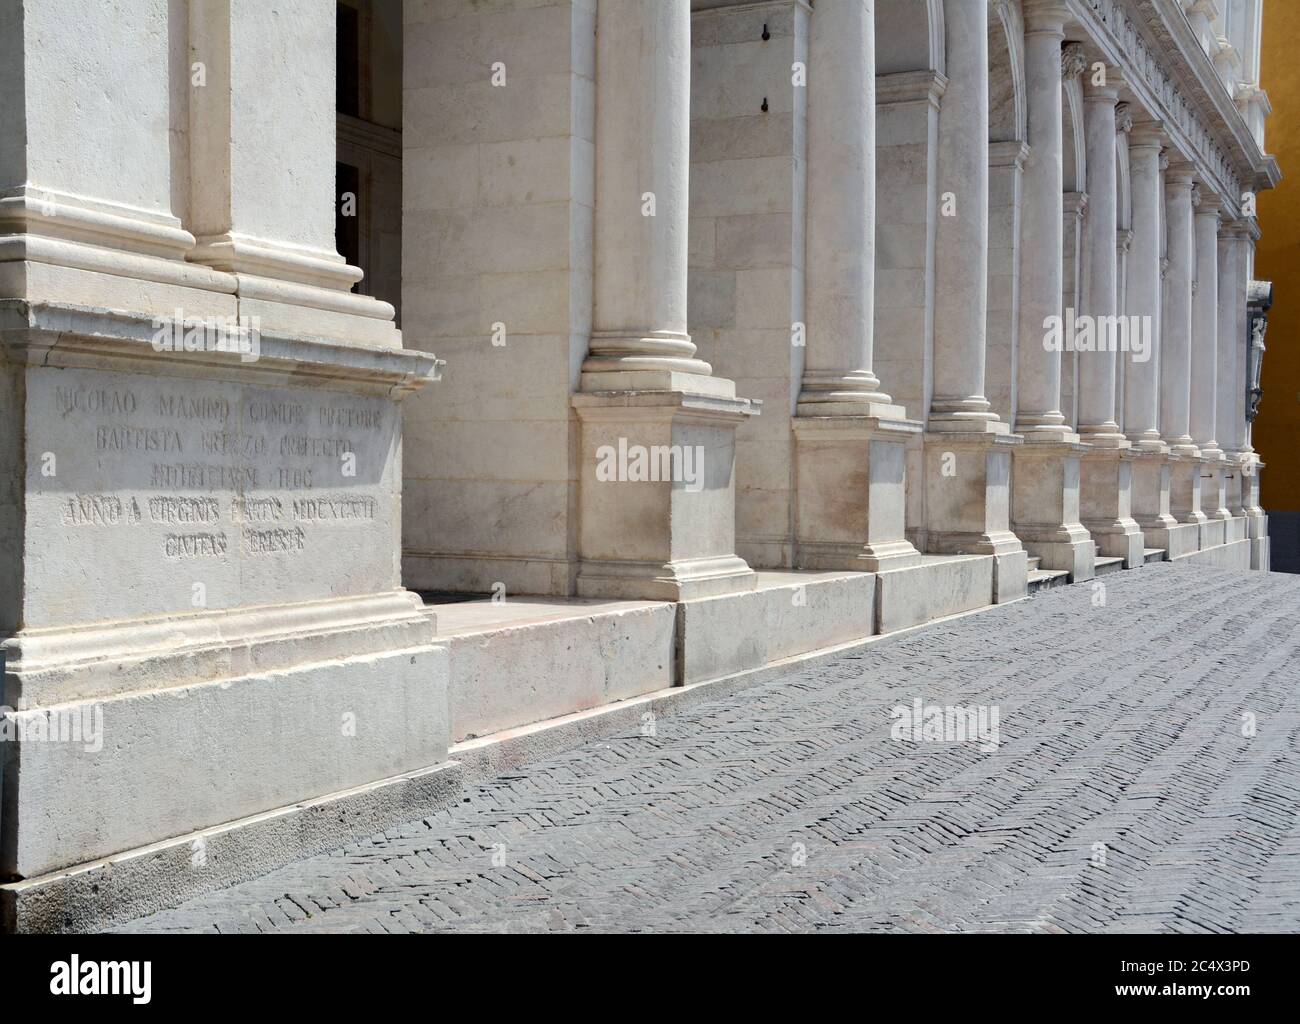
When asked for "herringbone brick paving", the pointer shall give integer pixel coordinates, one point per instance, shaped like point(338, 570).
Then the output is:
point(1124, 795)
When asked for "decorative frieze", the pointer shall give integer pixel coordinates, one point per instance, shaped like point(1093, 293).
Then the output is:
point(1152, 77)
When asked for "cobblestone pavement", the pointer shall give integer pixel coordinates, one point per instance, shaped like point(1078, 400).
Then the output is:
point(1123, 795)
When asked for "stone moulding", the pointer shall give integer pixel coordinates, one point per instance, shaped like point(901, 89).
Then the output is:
point(53, 334)
point(1162, 77)
point(105, 659)
point(48, 212)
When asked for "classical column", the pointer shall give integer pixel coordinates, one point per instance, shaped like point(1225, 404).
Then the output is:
point(961, 248)
point(841, 254)
point(1038, 414)
point(1176, 349)
point(1176, 320)
point(1205, 354)
point(1105, 475)
point(1205, 324)
point(1149, 454)
point(967, 448)
point(1097, 424)
point(1229, 427)
point(262, 168)
point(1231, 341)
point(850, 438)
point(1045, 476)
point(639, 336)
point(1141, 383)
point(87, 196)
point(1245, 272)
point(667, 533)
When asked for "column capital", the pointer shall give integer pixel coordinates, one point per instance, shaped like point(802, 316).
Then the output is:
point(1123, 118)
point(1107, 93)
point(1047, 16)
point(1233, 230)
point(1206, 202)
point(1179, 175)
point(1146, 135)
point(1073, 60)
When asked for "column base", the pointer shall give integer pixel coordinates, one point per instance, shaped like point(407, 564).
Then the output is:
point(1105, 504)
point(1150, 496)
point(850, 492)
point(683, 580)
point(1214, 495)
point(1045, 508)
point(1185, 489)
point(656, 495)
point(967, 491)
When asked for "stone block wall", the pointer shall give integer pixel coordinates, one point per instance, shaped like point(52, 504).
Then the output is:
point(498, 198)
point(747, 244)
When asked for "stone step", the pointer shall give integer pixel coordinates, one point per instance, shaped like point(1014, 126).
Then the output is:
point(1104, 565)
point(1046, 579)
point(1153, 554)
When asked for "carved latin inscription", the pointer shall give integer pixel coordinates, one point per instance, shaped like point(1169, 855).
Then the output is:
point(210, 472)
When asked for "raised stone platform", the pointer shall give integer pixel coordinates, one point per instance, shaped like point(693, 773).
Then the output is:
point(1226, 556)
point(500, 678)
point(524, 659)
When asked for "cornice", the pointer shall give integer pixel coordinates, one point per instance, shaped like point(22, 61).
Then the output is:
point(1172, 77)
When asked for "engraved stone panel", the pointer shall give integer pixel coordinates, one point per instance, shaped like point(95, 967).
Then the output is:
point(159, 495)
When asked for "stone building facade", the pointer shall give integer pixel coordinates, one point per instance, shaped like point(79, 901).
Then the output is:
point(390, 387)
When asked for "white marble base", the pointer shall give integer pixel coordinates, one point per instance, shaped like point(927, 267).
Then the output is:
point(850, 493)
point(1236, 555)
point(671, 537)
point(1045, 508)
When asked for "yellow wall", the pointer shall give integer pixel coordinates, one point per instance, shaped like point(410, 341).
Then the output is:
point(1277, 259)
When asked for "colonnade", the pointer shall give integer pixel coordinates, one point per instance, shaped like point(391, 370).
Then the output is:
point(1152, 452)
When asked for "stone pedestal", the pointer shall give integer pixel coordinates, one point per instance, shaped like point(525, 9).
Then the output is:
point(1214, 502)
point(207, 551)
point(967, 498)
point(1151, 506)
point(1105, 504)
point(657, 495)
point(200, 445)
point(1185, 489)
point(851, 493)
point(1234, 493)
point(1045, 508)
point(1256, 519)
